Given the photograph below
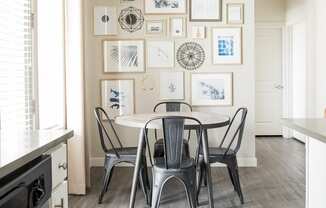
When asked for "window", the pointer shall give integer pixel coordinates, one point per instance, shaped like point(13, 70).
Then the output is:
point(16, 75)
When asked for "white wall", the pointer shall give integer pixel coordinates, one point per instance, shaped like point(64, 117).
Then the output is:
point(267, 11)
point(243, 82)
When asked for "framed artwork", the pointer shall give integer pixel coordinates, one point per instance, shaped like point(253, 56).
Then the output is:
point(117, 97)
point(205, 10)
point(155, 27)
point(105, 20)
point(172, 85)
point(165, 6)
point(123, 56)
point(235, 13)
point(212, 89)
point(227, 45)
point(131, 19)
point(198, 32)
point(127, 1)
point(178, 27)
point(160, 54)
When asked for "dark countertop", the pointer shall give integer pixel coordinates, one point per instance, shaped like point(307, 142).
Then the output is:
point(312, 127)
point(19, 148)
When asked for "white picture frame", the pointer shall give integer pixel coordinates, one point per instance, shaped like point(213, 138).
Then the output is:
point(123, 56)
point(160, 54)
point(198, 32)
point(235, 13)
point(105, 20)
point(165, 6)
point(171, 85)
point(205, 11)
point(212, 89)
point(178, 27)
point(155, 27)
point(227, 45)
point(117, 97)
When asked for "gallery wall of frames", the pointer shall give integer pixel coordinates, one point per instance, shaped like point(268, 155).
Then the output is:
point(141, 52)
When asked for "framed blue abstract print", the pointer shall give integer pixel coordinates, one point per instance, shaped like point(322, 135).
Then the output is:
point(227, 45)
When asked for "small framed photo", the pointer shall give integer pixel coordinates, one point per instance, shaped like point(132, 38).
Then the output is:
point(178, 27)
point(155, 27)
point(160, 54)
point(127, 1)
point(198, 32)
point(227, 45)
point(117, 97)
point(212, 89)
point(123, 56)
point(165, 6)
point(172, 85)
point(205, 10)
point(105, 20)
point(235, 13)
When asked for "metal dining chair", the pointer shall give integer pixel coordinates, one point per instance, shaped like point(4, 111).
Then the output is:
point(119, 154)
point(171, 106)
point(226, 154)
point(173, 164)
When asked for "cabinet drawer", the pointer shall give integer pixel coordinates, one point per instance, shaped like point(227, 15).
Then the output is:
point(59, 165)
point(59, 198)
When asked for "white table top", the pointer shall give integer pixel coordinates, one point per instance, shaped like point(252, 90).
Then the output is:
point(208, 120)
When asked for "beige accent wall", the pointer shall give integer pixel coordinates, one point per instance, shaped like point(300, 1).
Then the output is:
point(270, 10)
point(244, 87)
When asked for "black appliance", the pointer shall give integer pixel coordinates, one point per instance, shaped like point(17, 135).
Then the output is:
point(28, 187)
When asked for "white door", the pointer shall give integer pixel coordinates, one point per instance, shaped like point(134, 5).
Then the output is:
point(269, 81)
point(299, 74)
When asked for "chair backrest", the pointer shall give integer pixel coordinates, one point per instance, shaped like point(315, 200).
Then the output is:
point(172, 106)
point(101, 115)
point(238, 134)
point(173, 129)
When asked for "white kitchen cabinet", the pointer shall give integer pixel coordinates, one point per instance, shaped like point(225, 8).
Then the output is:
point(59, 198)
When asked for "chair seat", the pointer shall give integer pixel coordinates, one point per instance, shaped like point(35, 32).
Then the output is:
point(159, 163)
point(127, 151)
point(217, 154)
point(159, 148)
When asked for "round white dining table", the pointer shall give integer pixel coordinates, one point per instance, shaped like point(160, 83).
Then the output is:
point(209, 121)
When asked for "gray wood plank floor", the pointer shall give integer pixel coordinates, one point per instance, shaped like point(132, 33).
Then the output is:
point(277, 182)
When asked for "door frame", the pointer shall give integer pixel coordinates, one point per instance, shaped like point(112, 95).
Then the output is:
point(286, 101)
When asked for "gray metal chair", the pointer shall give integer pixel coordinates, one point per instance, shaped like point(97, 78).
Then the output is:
point(116, 155)
point(173, 164)
point(171, 106)
point(226, 155)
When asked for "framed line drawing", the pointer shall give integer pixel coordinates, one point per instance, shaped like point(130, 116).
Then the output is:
point(117, 97)
point(227, 45)
point(235, 13)
point(105, 20)
point(178, 27)
point(123, 56)
point(160, 54)
point(155, 27)
point(198, 32)
point(165, 6)
point(172, 85)
point(205, 10)
point(212, 89)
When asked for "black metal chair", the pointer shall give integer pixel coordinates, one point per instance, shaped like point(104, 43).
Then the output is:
point(171, 106)
point(173, 164)
point(117, 155)
point(226, 154)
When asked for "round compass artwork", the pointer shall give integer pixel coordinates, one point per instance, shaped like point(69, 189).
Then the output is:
point(190, 55)
point(131, 19)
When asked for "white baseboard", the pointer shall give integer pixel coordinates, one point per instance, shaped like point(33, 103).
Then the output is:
point(242, 162)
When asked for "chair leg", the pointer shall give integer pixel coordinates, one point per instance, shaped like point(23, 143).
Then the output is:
point(235, 173)
point(200, 174)
point(143, 184)
point(106, 181)
point(158, 182)
point(231, 178)
point(191, 190)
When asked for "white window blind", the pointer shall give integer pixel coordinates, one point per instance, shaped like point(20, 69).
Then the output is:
point(16, 86)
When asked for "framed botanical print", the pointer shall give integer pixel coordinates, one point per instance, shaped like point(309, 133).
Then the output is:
point(235, 13)
point(178, 27)
point(105, 20)
point(165, 6)
point(123, 56)
point(172, 85)
point(160, 54)
point(155, 27)
point(212, 89)
point(117, 97)
point(227, 45)
point(198, 32)
point(205, 10)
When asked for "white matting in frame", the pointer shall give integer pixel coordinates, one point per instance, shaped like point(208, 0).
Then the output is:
point(165, 6)
point(172, 85)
